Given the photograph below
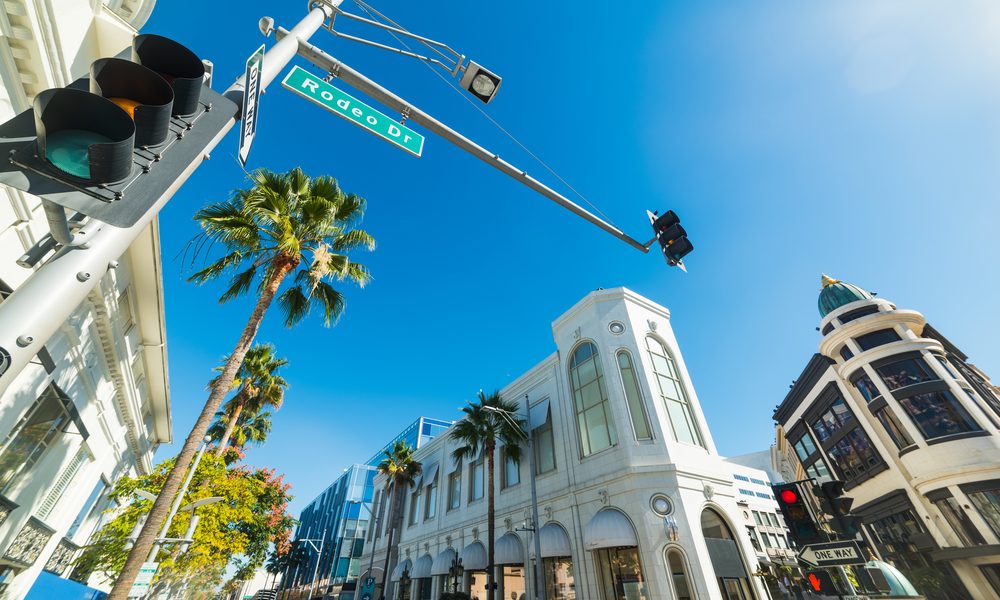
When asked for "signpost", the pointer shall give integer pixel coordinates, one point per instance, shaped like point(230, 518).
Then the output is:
point(367, 588)
point(833, 554)
point(140, 587)
point(317, 91)
point(251, 102)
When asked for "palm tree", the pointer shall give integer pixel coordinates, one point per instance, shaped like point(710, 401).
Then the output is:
point(400, 470)
point(483, 425)
point(251, 429)
point(285, 226)
point(259, 386)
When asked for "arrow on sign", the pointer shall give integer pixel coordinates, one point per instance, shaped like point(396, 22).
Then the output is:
point(833, 554)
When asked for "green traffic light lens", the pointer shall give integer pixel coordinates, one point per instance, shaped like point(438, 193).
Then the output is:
point(67, 150)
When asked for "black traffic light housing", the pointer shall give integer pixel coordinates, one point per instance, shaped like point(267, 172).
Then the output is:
point(111, 144)
point(803, 527)
point(672, 237)
point(821, 582)
point(833, 502)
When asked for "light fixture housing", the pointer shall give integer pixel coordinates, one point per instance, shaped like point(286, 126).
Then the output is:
point(480, 82)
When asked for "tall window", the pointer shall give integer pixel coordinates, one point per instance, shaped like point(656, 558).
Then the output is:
point(510, 471)
point(476, 479)
point(959, 521)
point(430, 499)
point(545, 447)
point(621, 573)
point(633, 397)
point(455, 488)
point(29, 438)
point(414, 505)
point(672, 393)
point(987, 502)
point(593, 412)
point(678, 574)
point(905, 372)
point(937, 414)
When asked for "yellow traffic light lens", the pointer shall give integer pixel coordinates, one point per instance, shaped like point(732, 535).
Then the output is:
point(67, 150)
point(127, 104)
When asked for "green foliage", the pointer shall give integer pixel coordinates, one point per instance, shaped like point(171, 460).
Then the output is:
point(484, 426)
point(399, 465)
point(239, 529)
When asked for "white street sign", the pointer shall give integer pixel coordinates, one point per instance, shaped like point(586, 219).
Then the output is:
point(833, 554)
point(251, 102)
point(145, 577)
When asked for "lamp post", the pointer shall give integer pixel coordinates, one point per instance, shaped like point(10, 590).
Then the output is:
point(319, 556)
point(539, 577)
point(373, 523)
point(177, 500)
point(404, 585)
point(455, 571)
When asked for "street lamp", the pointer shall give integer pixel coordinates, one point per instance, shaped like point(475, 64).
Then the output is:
point(319, 555)
point(455, 571)
point(372, 524)
point(404, 585)
point(539, 581)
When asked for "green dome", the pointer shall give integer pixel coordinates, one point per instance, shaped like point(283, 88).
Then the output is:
point(836, 293)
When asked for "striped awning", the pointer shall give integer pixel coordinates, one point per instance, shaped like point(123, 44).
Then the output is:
point(442, 562)
point(422, 568)
point(474, 557)
point(508, 551)
point(609, 529)
point(397, 573)
point(554, 541)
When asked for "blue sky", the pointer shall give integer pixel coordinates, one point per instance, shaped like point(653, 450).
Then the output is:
point(856, 138)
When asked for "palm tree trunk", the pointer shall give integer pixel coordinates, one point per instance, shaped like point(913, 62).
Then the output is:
point(231, 424)
point(391, 516)
point(491, 576)
point(157, 514)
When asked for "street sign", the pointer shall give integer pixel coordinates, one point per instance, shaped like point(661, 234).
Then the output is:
point(832, 554)
point(251, 103)
point(142, 581)
point(319, 92)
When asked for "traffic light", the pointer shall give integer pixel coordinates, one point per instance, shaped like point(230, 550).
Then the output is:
point(802, 526)
point(112, 143)
point(833, 502)
point(821, 583)
point(672, 237)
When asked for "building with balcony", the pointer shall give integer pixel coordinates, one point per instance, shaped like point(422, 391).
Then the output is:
point(94, 404)
point(338, 519)
point(633, 499)
point(894, 409)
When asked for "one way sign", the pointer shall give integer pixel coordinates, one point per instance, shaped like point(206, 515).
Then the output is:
point(833, 554)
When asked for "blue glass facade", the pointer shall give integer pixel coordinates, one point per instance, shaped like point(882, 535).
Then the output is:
point(340, 517)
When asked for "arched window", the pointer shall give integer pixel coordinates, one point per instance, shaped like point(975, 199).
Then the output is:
point(672, 393)
point(593, 412)
point(679, 576)
point(633, 397)
point(732, 576)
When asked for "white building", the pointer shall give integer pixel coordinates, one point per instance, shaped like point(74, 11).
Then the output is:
point(634, 501)
point(897, 412)
point(95, 404)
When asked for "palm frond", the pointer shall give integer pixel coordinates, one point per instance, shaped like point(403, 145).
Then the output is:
point(331, 302)
point(239, 285)
point(294, 304)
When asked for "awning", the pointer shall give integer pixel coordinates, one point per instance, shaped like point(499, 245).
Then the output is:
point(539, 415)
point(422, 568)
point(397, 573)
point(474, 557)
point(553, 540)
point(609, 529)
point(508, 551)
point(430, 474)
point(442, 562)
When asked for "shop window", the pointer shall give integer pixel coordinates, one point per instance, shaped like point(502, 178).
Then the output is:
point(560, 579)
point(621, 573)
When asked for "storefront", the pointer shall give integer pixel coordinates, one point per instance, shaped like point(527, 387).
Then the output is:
point(557, 563)
point(474, 560)
point(612, 539)
point(509, 559)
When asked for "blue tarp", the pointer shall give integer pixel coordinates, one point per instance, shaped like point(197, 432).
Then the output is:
point(51, 587)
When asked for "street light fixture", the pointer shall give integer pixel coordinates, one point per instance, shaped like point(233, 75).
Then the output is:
point(482, 83)
point(455, 571)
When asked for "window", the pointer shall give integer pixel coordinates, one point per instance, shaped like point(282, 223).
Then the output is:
point(758, 481)
point(545, 448)
point(510, 471)
point(892, 533)
point(741, 478)
point(905, 372)
point(764, 538)
point(633, 397)
point(746, 492)
point(947, 366)
point(35, 432)
point(819, 470)
point(937, 414)
point(430, 499)
point(877, 338)
point(681, 418)
point(959, 521)
point(857, 313)
point(560, 582)
point(125, 312)
point(827, 328)
point(987, 502)
point(753, 539)
point(893, 427)
point(805, 447)
point(455, 489)
point(90, 506)
point(679, 576)
point(764, 495)
point(845, 442)
point(833, 420)
point(845, 353)
point(756, 517)
point(865, 385)
point(476, 480)
point(593, 412)
point(414, 505)
point(773, 519)
point(621, 573)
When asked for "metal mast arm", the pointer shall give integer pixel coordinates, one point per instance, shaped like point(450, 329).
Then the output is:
point(358, 81)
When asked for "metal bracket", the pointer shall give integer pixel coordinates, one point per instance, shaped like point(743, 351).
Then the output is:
point(404, 115)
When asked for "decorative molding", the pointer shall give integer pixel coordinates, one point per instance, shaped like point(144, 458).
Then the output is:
point(652, 324)
point(548, 513)
point(576, 333)
point(62, 557)
point(709, 491)
point(603, 496)
point(28, 545)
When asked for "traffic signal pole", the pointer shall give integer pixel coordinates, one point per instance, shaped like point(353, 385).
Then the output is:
point(358, 81)
point(40, 305)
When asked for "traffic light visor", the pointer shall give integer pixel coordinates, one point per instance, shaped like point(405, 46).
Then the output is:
point(84, 135)
point(666, 220)
point(140, 92)
point(178, 66)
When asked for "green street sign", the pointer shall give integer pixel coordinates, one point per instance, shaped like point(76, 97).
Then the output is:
point(319, 92)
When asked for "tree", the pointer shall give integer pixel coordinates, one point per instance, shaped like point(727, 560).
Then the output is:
point(483, 425)
point(285, 226)
point(252, 517)
point(251, 430)
point(259, 386)
point(401, 471)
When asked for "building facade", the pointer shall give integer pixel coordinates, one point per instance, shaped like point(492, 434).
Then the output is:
point(94, 404)
point(338, 520)
point(633, 499)
point(896, 411)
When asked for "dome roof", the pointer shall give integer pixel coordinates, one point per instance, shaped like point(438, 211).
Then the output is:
point(836, 293)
